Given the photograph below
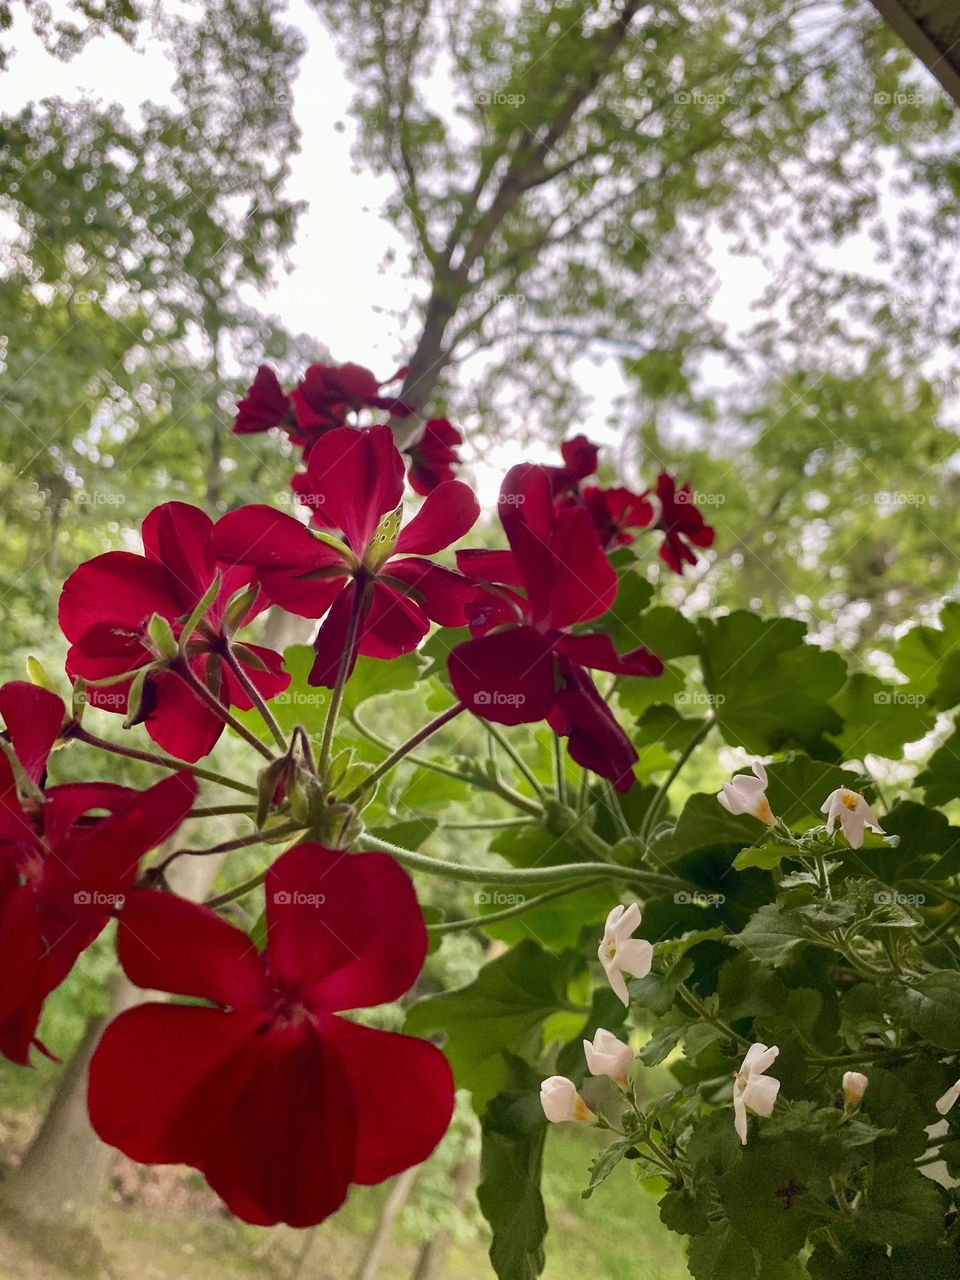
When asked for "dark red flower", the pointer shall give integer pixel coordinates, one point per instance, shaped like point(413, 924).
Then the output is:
point(107, 602)
point(681, 522)
point(354, 483)
point(265, 405)
point(434, 458)
point(65, 867)
point(336, 390)
point(579, 461)
point(276, 1099)
point(524, 664)
point(616, 512)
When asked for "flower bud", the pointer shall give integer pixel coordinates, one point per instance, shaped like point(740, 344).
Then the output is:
point(162, 641)
point(854, 1087)
point(608, 1056)
point(560, 1101)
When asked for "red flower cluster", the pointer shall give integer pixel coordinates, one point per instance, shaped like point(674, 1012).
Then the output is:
point(105, 609)
point(525, 663)
point(378, 591)
point(326, 397)
point(278, 1101)
point(68, 859)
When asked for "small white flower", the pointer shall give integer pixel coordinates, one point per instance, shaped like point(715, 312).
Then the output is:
point(752, 1088)
point(852, 812)
point(560, 1101)
point(854, 1087)
point(608, 1056)
point(619, 953)
point(748, 795)
point(949, 1099)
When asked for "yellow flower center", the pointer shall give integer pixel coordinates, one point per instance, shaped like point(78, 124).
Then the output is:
point(850, 799)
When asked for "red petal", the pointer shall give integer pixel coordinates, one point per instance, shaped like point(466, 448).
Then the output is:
point(507, 677)
point(331, 639)
point(393, 625)
point(179, 722)
point(525, 507)
point(597, 651)
point(118, 588)
point(21, 995)
point(354, 478)
point(584, 584)
point(150, 1080)
point(441, 593)
point(344, 930)
point(264, 406)
point(168, 944)
point(595, 739)
point(404, 1095)
point(268, 683)
point(180, 537)
point(490, 566)
point(286, 552)
point(447, 513)
point(34, 717)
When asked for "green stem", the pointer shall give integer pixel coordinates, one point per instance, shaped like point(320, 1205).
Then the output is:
point(484, 824)
point(528, 904)
point(521, 765)
point(221, 810)
point(483, 781)
point(346, 658)
point(255, 696)
point(523, 875)
point(79, 734)
point(561, 782)
point(189, 678)
point(238, 891)
point(706, 1016)
point(404, 749)
point(659, 799)
point(239, 842)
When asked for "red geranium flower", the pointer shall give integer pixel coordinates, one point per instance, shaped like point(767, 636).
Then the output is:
point(681, 522)
point(64, 866)
point(616, 512)
point(434, 457)
point(107, 602)
point(354, 483)
point(265, 405)
point(523, 664)
point(333, 391)
point(580, 457)
point(277, 1100)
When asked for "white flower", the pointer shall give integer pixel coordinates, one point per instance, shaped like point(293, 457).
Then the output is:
point(748, 795)
point(619, 953)
point(608, 1056)
point(852, 812)
point(560, 1101)
point(854, 1087)
point(752, 1088)
point(949, 1099)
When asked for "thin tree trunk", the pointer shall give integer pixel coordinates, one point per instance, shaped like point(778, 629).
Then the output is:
point(433, 1252)
point(380, 1236)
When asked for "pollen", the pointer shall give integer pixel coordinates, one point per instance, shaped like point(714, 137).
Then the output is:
point(850, 799)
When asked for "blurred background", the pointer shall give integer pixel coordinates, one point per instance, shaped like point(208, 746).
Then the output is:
point(718, 237)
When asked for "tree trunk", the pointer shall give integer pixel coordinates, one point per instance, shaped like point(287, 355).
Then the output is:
point(65, 1170)
point(433, 1252)
point(380, 1236)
